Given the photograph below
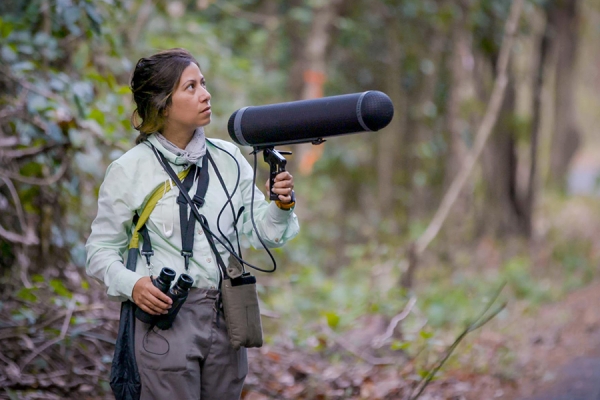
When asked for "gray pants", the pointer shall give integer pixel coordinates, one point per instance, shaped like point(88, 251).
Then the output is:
point(193, 360)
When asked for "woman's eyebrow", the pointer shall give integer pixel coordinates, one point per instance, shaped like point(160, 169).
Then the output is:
point(193, 80)
point(188, 81)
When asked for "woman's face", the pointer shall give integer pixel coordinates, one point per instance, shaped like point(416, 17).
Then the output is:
point(190, 102)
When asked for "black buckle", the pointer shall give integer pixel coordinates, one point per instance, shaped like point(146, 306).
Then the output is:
point(147, 254)
point(186, 256)
point(181, 200)
point(199, 201)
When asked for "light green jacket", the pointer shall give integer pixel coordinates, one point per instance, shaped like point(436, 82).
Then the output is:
point(127, 185)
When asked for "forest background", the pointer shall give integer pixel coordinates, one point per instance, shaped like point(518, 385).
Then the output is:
point(380, 282)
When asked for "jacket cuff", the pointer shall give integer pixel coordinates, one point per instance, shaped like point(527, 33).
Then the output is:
point(124, 283)
point(278, 215)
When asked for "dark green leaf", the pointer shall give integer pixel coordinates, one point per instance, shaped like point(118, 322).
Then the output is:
point(59, 288)
point(27, 294)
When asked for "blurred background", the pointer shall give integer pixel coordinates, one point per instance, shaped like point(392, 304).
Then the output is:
point(373, 292)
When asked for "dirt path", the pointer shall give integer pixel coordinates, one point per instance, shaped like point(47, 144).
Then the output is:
point(578, 380)
point(559, 355)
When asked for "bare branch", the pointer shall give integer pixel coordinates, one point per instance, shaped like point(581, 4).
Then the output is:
point(98, 134)
point(144, 12)
point(33, 88)
point(28, 239)
point(11, 112)
point(270, 22)
point(380, 340)
point(265, 312)
point(482, 319)
point(9, 141)
point(360, 354)
point(483, 133)
point(27, 152)
point(63, 333)
point(23, 263)
point(38, 181)
point(16, 200)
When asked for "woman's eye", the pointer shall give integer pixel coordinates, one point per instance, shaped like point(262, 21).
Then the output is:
point(203, 84)
point(190, 86)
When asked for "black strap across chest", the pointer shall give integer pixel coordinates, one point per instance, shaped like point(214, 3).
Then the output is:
point(186, 219)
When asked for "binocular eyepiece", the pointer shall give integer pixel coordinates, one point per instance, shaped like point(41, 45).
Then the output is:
point(178, 293)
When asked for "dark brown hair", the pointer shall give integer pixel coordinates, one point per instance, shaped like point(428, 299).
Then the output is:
point(152, 85)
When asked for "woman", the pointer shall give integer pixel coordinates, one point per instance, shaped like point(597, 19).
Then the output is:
point(193, 359)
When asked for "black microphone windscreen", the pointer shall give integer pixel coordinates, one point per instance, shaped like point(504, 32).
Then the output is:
point(309, 120)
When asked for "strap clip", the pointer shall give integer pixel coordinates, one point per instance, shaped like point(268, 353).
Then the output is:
point(186, 256)
point(199, 201)
point(147, 254)
point(181, 200)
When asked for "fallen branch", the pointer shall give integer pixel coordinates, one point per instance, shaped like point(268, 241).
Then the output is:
point(265, 312)
point(63, 334)
point(62, 313)
point(360, 354)
point(380, 340)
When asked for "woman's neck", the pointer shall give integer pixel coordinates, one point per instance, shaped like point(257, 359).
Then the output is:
point(180, 137)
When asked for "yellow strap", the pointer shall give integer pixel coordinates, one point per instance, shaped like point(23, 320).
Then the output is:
point(156, 195)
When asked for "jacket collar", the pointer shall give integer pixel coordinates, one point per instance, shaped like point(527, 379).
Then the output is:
point(172, 158)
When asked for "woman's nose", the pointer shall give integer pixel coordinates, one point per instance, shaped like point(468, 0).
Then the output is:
point(204, 95)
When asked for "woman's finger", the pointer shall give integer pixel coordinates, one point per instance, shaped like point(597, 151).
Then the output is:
point(149, 310)
point(284, 191)
point(284, 176)
point(156, 304)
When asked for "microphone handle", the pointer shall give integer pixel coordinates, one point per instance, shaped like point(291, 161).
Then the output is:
point(276, 165)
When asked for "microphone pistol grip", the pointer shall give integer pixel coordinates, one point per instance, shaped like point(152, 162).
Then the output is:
point(276, 165)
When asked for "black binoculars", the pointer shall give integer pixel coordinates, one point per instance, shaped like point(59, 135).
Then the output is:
point(178, 293)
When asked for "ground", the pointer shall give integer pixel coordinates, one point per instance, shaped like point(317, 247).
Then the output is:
point(557, 352)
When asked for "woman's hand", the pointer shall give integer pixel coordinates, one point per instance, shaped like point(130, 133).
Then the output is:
point(149, 298)
point(283, 186)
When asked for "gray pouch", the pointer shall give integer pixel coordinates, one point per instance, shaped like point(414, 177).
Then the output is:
point(240, 304)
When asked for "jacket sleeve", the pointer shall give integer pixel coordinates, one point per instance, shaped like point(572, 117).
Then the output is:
point(275, 226)
point(109, 239)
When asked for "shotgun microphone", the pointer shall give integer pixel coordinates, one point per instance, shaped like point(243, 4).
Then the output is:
point(310, 120)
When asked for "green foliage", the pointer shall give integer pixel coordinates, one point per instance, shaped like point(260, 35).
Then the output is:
point(59, 288)
point(518, 274)
point(61, 97)
point(28, 294)
point(576, 260)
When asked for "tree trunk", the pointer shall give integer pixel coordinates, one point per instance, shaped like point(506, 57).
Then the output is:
point(293, 30)
point(488, 122)
point(389, 151)
point(461, 66)
point(563, 26)
point(536, 118)
point(314, 71)
point(422, 195)
point(503, 211)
